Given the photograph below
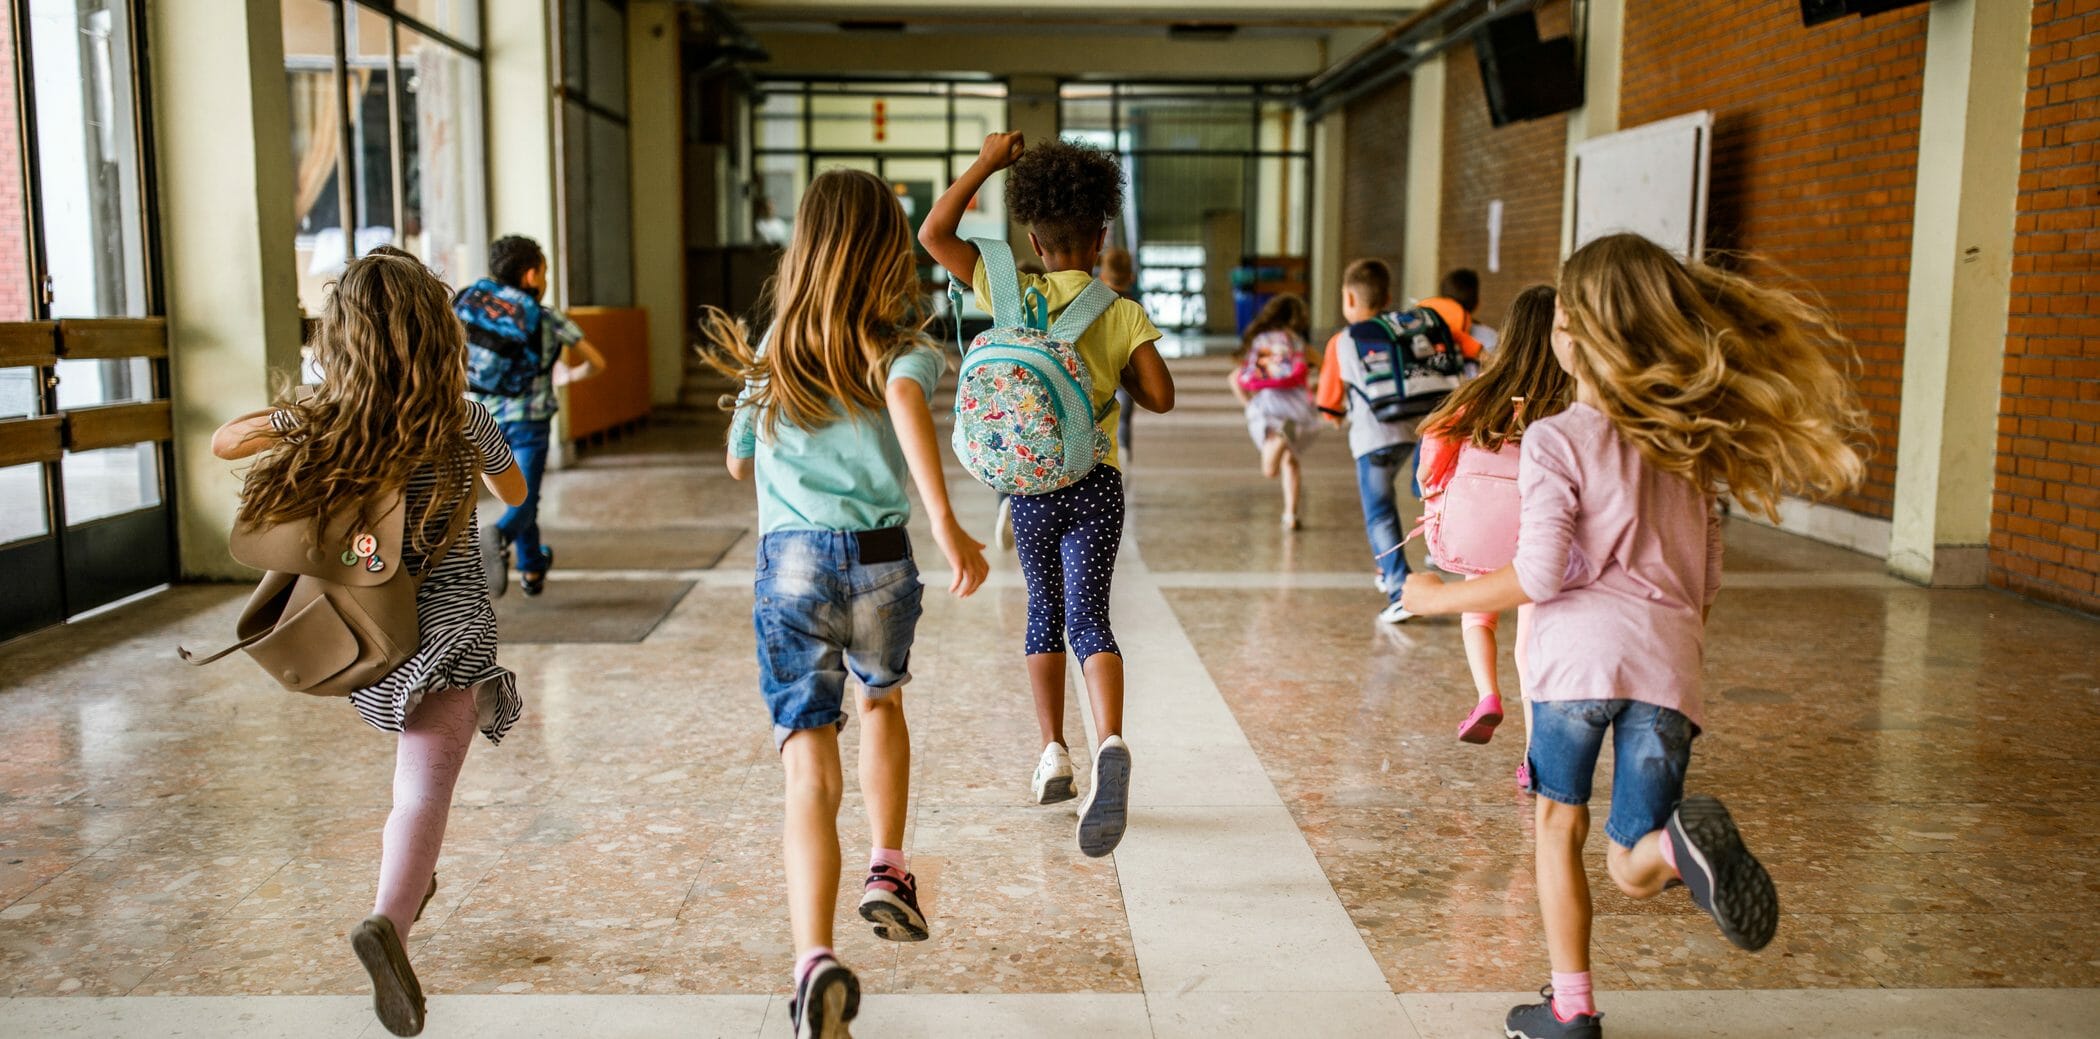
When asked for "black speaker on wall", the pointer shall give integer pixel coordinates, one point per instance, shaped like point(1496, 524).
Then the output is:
point(1523, 76)
point(1816, 12)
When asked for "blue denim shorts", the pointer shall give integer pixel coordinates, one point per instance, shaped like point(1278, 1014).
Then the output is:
point(822, 617)
point(1650, 745)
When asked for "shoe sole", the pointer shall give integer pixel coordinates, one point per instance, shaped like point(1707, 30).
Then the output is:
point(397, 997)
point(1481, 729)
point(1056, 791)
point(1724, 878)
point(834, 997)
point(1106, 815)
point(894, 921)
point(427, 896)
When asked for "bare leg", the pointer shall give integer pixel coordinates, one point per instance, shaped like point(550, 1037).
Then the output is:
point(1291, 481)
point(1272, 450)
point(1480, 656)
point(810, 762)
point(427, 760)
point(1104, 685)
point(885, 766)
point(1640, 871)
point(1564, 893)
point(1046, 679)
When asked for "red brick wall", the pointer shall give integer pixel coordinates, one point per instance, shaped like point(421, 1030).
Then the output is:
point(1814, 160)
point(14, 248)
point(2045, 515)
point(1374, 183)
point(1523, 164)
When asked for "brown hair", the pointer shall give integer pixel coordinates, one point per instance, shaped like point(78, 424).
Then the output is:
point(1715, 377)
point(1116, 269)
point(1483, 412)
point(392, 401)
point(1372, 280)
point(1285, 311)
point(844, 306)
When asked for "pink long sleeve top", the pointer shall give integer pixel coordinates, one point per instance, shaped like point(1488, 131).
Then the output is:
point(1622, 560)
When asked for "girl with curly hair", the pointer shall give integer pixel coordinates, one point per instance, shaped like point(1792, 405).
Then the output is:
point(1067, 539)
point(1690, 382)
point(391, 415)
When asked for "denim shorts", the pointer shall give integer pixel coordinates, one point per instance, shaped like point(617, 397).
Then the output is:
point(822, 617)
point(1650, 745)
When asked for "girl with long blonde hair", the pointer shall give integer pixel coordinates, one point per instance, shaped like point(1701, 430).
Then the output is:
point(832, 418)
point(1691, 382)
point(390, 416)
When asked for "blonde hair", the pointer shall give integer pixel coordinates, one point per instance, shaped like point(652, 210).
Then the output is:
point(1712, 376)
point(392, 401)
point(844, 302)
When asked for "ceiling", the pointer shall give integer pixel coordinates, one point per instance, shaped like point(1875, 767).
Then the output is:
point(1310, 17)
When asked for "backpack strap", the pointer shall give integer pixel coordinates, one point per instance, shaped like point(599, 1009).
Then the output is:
point(1002, 280)
point(1081, 313)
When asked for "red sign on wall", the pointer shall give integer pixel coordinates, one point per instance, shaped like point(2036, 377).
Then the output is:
point(882, 120)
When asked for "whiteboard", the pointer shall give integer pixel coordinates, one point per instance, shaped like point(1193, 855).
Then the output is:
point(1650, 180)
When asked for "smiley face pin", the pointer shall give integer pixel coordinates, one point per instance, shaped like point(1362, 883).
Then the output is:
point(364, 546)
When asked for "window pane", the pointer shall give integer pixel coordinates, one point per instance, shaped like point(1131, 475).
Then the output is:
point(609, 220)
point(975, 119)
point(892, 122)
point(14, 213)
point(87, 155)
point(459, 19)
point(605, 45)
point(779, 191)
point(19, 394)
point(1184, 124)
point(309, 68)
point(22, 512)
point(87, 383)
point(441, 133)
point(111, 481)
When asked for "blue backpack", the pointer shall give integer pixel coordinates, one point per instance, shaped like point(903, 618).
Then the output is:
point(1025, 421)
point(503, 338)
point(1411, 362)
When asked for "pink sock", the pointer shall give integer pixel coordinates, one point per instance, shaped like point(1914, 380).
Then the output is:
point(428, 756)
point(1571, 995)
point(891, 857)
point(1670, 854)
point(808, 961)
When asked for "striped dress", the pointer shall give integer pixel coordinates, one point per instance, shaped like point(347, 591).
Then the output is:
point(454, 617)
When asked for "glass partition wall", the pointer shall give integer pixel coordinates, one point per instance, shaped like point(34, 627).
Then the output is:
point(84, 417)
point(1219, 181)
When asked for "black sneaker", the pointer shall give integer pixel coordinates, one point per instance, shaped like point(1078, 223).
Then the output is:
point(533, 582)
point(1723, 877)
point(890, 901)
point(1538, 1021)
point(825, 999)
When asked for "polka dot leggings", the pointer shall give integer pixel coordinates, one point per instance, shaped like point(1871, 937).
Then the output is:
point(1067, 540)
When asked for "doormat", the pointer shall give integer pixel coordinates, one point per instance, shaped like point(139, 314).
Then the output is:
point(648, 548)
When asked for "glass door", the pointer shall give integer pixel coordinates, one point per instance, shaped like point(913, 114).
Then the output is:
point(85, 421)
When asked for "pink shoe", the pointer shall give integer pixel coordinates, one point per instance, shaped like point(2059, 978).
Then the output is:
point(1524, 776)
point(1479, 727)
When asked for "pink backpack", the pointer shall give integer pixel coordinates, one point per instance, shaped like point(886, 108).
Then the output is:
point(1470, 522)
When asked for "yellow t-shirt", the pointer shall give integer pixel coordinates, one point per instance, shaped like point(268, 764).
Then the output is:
point(1105, 346)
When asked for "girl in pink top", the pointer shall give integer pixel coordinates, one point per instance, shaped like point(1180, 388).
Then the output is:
point(1690, 381)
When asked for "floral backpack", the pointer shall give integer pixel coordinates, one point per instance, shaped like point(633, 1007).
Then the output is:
point(1025, 421)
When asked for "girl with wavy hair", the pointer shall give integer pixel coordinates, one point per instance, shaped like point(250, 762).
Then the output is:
point(391, 416)
point(1691, 382)
point(832, 419)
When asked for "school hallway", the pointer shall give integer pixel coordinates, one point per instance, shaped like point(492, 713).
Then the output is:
point(1311, 852)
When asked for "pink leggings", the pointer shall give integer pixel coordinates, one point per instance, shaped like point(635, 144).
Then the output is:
point(427, 759)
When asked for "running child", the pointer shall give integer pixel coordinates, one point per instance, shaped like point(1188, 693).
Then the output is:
point(1271, 384)
point(1689, 381)
point(1068, 538)
point(832, 417)
point(391, 415)
point(1482, 423)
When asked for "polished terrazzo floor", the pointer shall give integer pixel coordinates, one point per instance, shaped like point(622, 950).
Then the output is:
point(184, 849)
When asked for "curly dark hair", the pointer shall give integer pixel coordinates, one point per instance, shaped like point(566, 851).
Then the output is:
point(511, 256)
point(1066, 193)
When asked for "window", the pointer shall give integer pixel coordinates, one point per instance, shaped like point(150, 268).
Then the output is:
point(88, 157)
point(399, 122)
point(597, 223)
point(1219, 178)
point(916, 135)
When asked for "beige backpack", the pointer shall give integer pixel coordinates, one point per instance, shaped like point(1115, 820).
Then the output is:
point(335, 614)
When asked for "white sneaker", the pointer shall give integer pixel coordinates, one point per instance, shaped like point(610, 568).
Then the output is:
point(1378, 582)
point(1053, 776)
point(1003, 528)
point(1394, 613)
point(1107, 809)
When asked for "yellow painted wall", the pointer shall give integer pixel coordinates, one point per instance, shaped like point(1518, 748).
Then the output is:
point(655, 142)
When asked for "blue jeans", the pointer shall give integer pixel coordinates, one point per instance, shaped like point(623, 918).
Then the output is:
point(1375, 475)
point(1650, 746)
point(822, 616)
point(520, 524)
